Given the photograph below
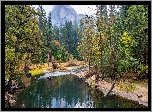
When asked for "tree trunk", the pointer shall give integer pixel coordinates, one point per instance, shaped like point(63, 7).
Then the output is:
point(112, 86)
point(48, 60)
point(54, 64)
point(26, 69)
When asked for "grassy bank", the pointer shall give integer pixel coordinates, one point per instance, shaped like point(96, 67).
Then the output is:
point(35, 70)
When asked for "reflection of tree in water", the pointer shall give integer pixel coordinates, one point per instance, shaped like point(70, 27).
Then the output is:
point(62, 90)
point(67, 91)
point(111, 101)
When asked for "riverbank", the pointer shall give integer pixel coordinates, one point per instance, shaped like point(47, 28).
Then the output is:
point(140, 94)
point(39, 69)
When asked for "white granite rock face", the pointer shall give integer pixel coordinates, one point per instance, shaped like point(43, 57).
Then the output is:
point(62, 13)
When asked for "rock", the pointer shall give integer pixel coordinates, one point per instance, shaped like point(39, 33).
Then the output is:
point(96, 86)
point(62, 13)
point(93, 77)
point(12, 102)
point(139, 96)
point(49, 78)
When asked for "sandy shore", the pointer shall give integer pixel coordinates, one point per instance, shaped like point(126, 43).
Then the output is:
point(140, 95)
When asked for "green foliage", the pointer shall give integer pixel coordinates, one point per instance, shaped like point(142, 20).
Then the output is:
point(46, 29)
point(22, 35)
point(71, 57)
point(89, 47)
point(142, 69)
point(9, 55)
point(136, 48)
point(69, 38)
point(113, 43)
point(127, 87)
point(137, 25)
point(127, 41)
point(128, 62)
point(117, 42)
point(61, 54)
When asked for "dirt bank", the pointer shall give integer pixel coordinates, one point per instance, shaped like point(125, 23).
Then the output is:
point(140, 94)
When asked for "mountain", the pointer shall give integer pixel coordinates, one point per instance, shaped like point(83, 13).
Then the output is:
point(62, 13)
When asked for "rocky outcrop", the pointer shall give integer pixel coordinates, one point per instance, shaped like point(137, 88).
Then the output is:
point(62, 13)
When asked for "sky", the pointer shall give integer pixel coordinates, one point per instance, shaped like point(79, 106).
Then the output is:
point(80, 9)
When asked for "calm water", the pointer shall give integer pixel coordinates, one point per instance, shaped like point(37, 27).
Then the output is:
point(67, 91)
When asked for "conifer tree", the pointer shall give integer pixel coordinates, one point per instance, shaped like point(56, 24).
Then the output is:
point(22, 36)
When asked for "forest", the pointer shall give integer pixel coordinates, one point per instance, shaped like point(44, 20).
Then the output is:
point(113, 44)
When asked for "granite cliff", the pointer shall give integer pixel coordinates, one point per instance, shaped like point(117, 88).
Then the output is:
point(62, 13)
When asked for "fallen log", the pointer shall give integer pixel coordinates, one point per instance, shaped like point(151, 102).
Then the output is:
point(112, 86)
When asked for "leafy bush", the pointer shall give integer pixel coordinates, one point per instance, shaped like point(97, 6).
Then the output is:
point(143, 71)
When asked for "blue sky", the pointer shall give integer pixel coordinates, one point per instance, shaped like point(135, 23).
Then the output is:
point(80, 9)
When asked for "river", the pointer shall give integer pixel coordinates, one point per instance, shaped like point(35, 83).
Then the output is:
point(66, 90)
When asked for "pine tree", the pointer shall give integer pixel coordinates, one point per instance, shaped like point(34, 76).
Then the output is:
point(22, 36)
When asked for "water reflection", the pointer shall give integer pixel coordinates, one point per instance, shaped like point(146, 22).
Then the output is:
point(67, 92)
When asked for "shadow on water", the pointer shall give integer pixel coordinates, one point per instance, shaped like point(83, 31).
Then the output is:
point(112, 101)
point(67, 91)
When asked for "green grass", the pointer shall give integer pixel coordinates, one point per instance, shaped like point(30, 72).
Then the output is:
point(92, 84)
point(36, 71)
point(127, 87)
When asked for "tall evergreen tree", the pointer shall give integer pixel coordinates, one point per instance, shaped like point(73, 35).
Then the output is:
point(47, 34)
point(22, 36)
point(69, 38)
